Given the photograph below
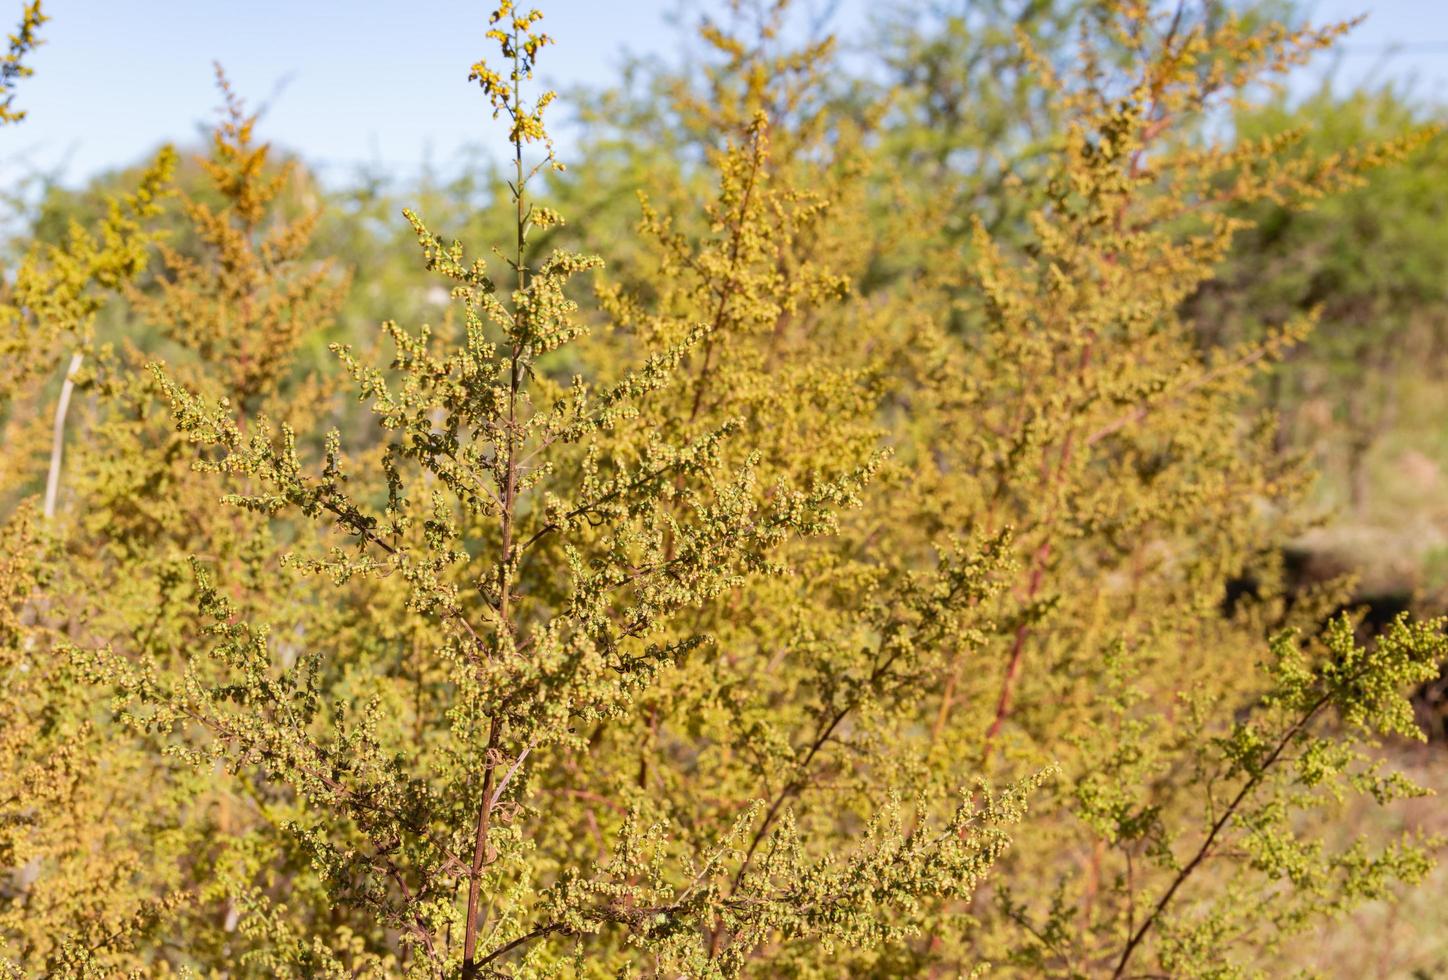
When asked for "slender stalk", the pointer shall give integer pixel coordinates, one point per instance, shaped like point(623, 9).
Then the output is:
point(1034, 582)
point(481, 854)
point(731, 283)
point(482, 850)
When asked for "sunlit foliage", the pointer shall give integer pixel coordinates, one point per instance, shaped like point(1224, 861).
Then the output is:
point(823, 579)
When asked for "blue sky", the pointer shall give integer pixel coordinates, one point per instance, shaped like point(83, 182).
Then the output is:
point(383, 82)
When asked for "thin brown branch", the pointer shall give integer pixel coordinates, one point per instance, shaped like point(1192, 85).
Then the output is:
point(732, 283)
point(1213, 832)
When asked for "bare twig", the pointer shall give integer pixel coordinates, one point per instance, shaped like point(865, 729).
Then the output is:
point(57, 446)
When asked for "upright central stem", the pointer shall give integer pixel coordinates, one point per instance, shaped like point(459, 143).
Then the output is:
point(482, 850)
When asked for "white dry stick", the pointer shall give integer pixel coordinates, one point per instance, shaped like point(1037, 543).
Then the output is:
point(498, 793)
point(57, 446)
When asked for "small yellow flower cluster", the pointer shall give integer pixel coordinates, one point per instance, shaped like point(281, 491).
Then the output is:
point(12, 62)
point(519, 44)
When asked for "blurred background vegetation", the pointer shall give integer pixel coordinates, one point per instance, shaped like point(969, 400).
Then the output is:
point(957, 111)
point(1365, 396)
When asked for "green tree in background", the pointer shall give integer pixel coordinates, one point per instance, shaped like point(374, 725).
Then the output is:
point(1371, 261)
